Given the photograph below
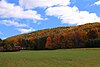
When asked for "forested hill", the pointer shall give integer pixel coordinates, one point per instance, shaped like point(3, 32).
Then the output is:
point(56, 38)
point(58, 30)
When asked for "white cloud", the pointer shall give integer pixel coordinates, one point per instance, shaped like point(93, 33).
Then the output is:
point(72, 15)
point(12, 23)
point(97, 3)
point(22, 28)
point(43, 3)
point(25, 30)
point(57, 8)
point(62, 10)
point(8, 10)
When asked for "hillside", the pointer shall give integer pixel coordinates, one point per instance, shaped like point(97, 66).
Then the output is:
point(58, 30)
point(46, 38)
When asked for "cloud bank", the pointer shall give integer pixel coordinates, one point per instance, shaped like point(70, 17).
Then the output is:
point(8, 10)
point(72, 15)
point(62, 10)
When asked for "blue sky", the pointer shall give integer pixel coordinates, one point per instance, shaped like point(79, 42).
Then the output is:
point(23, 16)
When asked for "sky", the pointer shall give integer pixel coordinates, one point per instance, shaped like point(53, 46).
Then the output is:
point(24, 16)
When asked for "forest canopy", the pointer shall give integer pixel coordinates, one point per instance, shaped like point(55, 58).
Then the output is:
point(82, 36)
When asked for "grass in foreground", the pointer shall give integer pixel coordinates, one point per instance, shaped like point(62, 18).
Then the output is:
point(52, 58)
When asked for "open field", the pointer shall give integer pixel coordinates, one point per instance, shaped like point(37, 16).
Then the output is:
point(89, 57)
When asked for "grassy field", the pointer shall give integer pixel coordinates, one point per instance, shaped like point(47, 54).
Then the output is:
point(89, 57)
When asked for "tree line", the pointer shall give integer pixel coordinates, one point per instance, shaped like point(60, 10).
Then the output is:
point(64, 40)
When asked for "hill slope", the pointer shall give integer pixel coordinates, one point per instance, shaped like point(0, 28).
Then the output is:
point(54, 38)
point(58, 30)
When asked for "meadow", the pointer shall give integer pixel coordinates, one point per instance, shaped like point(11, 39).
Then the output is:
point(84, 57)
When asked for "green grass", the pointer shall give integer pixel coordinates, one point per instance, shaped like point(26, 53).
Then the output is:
point(52, 58)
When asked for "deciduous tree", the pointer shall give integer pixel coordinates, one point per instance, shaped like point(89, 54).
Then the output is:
point(92, 34)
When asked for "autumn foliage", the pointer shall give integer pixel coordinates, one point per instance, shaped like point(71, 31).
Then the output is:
point(57, 38)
